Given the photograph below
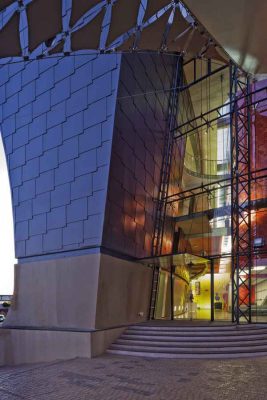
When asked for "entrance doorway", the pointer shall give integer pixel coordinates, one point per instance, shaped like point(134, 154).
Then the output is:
point(193, 288)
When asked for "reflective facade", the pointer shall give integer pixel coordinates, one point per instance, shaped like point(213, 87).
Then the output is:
point(85, 139)
point(203, 207)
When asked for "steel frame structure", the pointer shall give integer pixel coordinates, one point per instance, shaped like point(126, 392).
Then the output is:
point(204, 120)
point(167, 159)
point(164, 179)
point(240, 128)
point(214, 185)
point(239, 181)
point(71, 18)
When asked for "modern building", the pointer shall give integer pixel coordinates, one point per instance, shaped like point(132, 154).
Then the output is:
point(135, 144)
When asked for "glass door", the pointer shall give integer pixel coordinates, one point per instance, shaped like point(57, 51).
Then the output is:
point(200, 297)
point(222, 293)
point(184, 288)
point(163, 303)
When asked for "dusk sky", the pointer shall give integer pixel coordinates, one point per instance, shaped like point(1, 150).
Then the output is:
point(6, 226)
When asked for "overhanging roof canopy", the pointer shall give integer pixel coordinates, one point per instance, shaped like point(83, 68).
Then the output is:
point(32, 28)
point(239, 26)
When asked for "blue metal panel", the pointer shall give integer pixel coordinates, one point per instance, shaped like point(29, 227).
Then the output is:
point(61, 195)
point(73, 233)
point(45, 182)
point(81, 187)
point(49, 160)
point(60, 147)
point(77, 210)
point(56, 218)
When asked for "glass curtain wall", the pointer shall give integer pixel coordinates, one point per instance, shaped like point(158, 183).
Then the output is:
point(259, 204)
point(199, 212)
point(183, 287)
point(202, 223)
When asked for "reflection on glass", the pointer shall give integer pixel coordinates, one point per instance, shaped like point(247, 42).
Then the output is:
point(222, 289)
point(259, 290)
point(198, 211)
point(163, 310)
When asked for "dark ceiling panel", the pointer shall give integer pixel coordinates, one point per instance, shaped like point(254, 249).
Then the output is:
point(153, 35)
point(88, 37)
point(9, 38)
point(59, 48)
point(79, 8)
point(215, 53)
point(179, 25)
point(154, 6)
point(239, 26)
point(5, 3)
point(123, 18)
point(197, 43)
point(44, 21)
point(127, 45)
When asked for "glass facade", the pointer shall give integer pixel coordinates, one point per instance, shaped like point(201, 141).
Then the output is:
point(89, 173)
point(201, 210)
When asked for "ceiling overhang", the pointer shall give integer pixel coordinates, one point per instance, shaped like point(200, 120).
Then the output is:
point(239, 26)
point(38, 28)
point(203, 28)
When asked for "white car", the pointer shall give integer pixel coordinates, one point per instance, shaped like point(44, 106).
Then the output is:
point(2, 318)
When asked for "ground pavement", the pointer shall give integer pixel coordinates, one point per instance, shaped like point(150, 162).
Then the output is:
point(112, 377)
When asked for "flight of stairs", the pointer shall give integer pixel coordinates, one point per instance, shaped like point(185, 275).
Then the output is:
point(225, 341)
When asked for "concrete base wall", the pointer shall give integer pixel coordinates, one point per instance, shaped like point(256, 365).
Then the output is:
point(72, 307)
point(94, 291)
point(123, 292)
point(22, 346)
point(60, 293)
point(101, 340)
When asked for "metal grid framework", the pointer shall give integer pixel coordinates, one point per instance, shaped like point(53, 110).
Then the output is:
point(240, 127)
point(24, 21)
point(238, 111)
point(164, 180)
point(154, 292)
point(167, 159)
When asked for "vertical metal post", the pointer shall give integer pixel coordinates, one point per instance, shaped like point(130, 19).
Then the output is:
point(154, 291)
point(249, 247)
point(240, 121)
point(165, 172)
point(167, 159)
point(232, 80)
point(172, 286)
point(212, 290)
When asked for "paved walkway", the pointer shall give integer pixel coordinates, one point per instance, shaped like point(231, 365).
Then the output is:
point(121, 378)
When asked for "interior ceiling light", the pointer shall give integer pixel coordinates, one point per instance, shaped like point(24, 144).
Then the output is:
point(259, 268)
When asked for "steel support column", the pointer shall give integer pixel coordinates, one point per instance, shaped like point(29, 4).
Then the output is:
point(240, 126)
point(212, 290)
point(165, 178)
point(167, 159)
point(172, 292)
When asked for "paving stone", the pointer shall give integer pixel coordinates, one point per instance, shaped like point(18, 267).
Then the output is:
point(112, 377)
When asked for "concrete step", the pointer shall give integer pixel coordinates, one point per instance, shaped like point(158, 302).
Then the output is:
point(189, 343)
point(188, 349)
point(212, 328)
point(196, 339)
point(189, 355)
point(192, 337)
point(167, 333)
point(192, 342)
